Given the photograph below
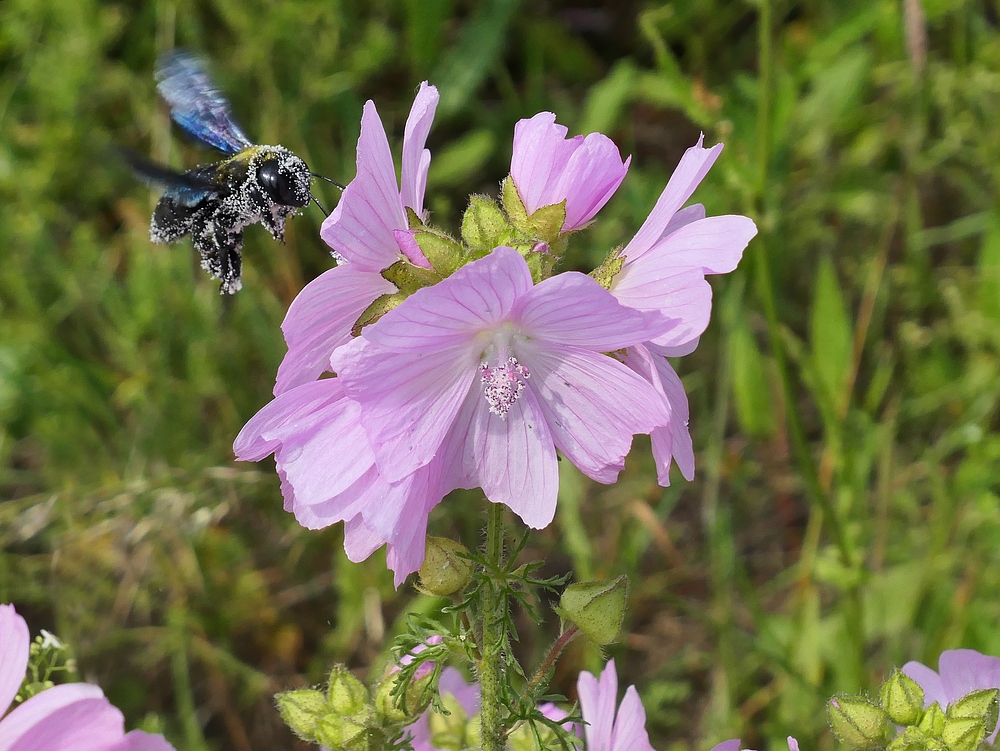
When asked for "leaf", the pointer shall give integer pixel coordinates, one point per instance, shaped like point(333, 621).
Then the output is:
point(754, 407)
point(989, 271)
point(830, 336)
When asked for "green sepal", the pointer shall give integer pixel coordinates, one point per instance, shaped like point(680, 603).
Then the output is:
point(610, 267)
point(910, 739)
point(342, 734)
point(409, 278)
point(546, 223)
point(932, 722)
point(413, 220)
point(446, 568)
point(377, 309)
point(406, 708)
point(302, 710)
point(963, 733)
point(443, 253)
point(540, 265)
point(859, 723)
point(514, 206)
point(981, 704)
point(484, 225)
point(902, 698)
point(596, 607)
point(347, 695)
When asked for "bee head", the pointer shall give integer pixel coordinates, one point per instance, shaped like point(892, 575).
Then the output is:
point(285, 178)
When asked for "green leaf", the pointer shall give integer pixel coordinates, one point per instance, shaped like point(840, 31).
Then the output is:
point(754, 406)
point(831, 336)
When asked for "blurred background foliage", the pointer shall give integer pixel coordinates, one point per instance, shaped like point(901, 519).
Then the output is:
point(845, 516)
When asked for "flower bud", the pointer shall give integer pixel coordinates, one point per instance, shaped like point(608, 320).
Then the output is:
point(963, 733)
point(597, 608)
point(910, 739)
point(903, 699)
point(932, 723)
point(301, 710)
point(484, 225)
point(416, 700)
point(341, 734)
point(446, 568)
point(979, 704)
point(858, 723)
point(347, 695)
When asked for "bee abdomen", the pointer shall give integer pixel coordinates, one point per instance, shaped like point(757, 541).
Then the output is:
point(171, 220)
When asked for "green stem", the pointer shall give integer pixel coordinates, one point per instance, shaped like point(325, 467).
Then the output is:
point(494, 636)
point(550, 659)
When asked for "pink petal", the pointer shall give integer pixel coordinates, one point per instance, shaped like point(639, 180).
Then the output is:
point(407, 242)
point(929, 681)
point(467, 694)
point(593, 405)
point(15, 643)
point(681, 350)
point(300, 406)
point(966, 670)
point(451, 312)
point(140, 741)
point(630, 725)
point(360, 227)
point(513, 459)
point(793, 744)
point(320, 319)
point(682, 295)
point(714, 244)
point(597, 704)
point(683, 217)
point(360, 541)
point(573, 309)
point(69, 717)
point(675, 439)
point(592, 175)
point(730, 745)
point(408, 401)
point(691, 170)
point(417, 159)
point(541, 152)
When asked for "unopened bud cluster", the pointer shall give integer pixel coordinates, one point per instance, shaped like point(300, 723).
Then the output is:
point(898, 721)
point(346, 717)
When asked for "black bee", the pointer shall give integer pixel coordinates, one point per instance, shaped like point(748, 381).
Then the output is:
point(215, 202)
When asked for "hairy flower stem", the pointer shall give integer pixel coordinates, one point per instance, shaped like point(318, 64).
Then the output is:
point(553, 655)
point(494, 635)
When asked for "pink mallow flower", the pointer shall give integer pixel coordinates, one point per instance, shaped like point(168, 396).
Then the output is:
point(606, 729)
point(368, 232)
point(68, 717)
point(328, 474)
point(664, 271)
point(549, 168)
point(960, 672)
point(484, 375)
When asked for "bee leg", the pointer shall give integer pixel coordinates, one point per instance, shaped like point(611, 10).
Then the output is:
point(171, 220)
point(220, 251)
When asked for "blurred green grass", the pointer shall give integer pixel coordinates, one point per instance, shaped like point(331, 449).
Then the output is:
point(845, 516)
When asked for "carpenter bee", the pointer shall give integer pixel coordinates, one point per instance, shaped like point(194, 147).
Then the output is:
point(215, 202)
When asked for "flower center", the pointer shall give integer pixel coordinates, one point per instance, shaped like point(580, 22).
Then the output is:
point(503, 384)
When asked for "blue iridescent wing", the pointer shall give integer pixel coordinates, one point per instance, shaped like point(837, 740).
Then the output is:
point(195, 104)
point(186, 188)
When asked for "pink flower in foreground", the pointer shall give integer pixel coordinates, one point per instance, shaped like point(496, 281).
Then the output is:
point(548, 168)
point(369, 230)
point(484, 375)
point(734, 745)
point(664, 270)
point(960, 672)
point(68, 717)
point(607, 730)
point(328, 474)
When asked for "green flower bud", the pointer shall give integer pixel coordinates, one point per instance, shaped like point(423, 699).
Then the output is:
point(979, 704)
point(342, 734)
point(963, 733)
point(474, 731)
point(446, 569)
point(932, 723)
point(910, 739)
point(448, 730)
point(858, 723)
point(417, 698)
point(484, 225)
point(301, 710)
point(347, 695)
point(903, 699)
point(597, 608)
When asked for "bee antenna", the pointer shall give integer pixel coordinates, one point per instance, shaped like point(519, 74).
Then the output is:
point(323, 177)
point(315, 201)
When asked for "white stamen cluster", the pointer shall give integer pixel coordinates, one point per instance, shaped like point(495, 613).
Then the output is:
point(503, 384)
